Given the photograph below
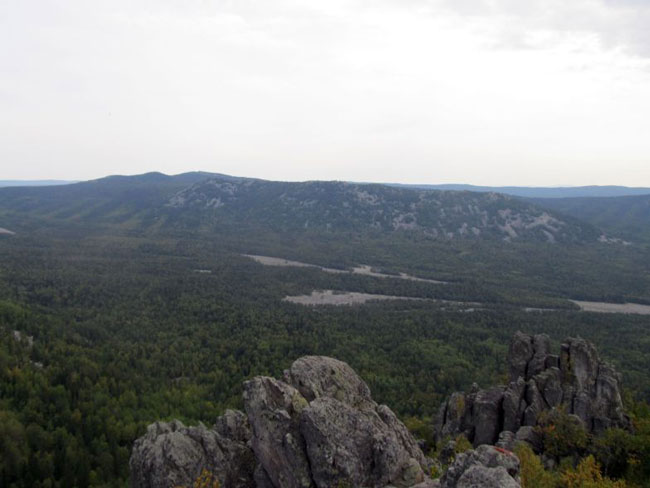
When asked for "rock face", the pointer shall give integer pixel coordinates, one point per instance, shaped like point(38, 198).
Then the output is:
point(539, 381)
point(319, 428)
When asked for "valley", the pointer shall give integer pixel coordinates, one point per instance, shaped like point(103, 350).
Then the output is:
point(143, 311)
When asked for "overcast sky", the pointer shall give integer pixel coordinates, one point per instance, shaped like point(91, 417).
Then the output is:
point(494, 92)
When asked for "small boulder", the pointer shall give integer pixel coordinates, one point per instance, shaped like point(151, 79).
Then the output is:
point(317, 376)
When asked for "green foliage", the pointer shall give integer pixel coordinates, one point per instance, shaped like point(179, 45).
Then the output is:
point(588, 475)
point(421, 428)
point(205, 480)
point(562, 434)
point(533, 474)
point(614, 450)
point(462, 444)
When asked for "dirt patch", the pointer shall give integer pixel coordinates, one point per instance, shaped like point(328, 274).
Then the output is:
point(360, 270)
point(330, 297)
point(269, 261)
point(603, 307)
point(367, 271)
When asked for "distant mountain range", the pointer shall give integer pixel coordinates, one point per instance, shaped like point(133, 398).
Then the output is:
point(540, 192)
point(518, 191)
point(211, 203)
point(5, 183)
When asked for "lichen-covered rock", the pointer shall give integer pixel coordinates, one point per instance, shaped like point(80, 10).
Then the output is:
point(170, 455)
point(233, 424)
point(273, 409)
point(520, 353)
point(487, 415)
point(318, 429)
point(345, 437)
point(357, 447)
point(485, 467)
point(513, 405)
point(316, 376)
point(540, 381)
point(530, 436)
point(507, 440)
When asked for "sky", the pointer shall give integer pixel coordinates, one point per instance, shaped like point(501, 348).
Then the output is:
point(487, 92)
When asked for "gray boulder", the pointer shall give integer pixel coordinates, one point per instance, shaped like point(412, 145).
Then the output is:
point(487, 416)
point(530, 436)
point(316, 376)
point(171, 454)
point(273, 409)
point(323, 429)
point(233, 424)
point(358, 447)
point(318, 429)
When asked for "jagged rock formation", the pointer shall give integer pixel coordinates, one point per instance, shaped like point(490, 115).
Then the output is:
point(539, 381)
point(171, 455)
point(319, 428)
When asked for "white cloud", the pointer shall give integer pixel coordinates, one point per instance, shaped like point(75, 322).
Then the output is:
point(411, 90)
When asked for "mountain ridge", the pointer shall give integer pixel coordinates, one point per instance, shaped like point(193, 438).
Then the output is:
point(200, 201)
point(546, 192)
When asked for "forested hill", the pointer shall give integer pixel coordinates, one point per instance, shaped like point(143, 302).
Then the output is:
point(627, 217)
point(201, 201)
point(349, 206)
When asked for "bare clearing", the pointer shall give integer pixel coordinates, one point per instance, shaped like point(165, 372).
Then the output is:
point(330, 297)
point(603, 307)
point(361, 269)
point(367, 271)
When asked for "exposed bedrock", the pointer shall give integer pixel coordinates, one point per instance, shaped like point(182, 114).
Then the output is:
point(539, 381)
point(319, 428)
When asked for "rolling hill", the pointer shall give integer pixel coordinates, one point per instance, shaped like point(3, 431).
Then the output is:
point(627, 217)
point(207, 202)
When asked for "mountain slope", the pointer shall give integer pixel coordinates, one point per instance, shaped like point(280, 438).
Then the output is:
point(347, 206)
point(115, 199)
point(627, 217)
point(207, 202)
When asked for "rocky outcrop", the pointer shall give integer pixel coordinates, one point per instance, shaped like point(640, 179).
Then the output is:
point(319, 428)
point(171, 455)
point(539, 381)
point(485, 467)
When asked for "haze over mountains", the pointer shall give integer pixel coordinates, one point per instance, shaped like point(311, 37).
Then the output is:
point(4, 183)
point(519, 191)
point(543, 192)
